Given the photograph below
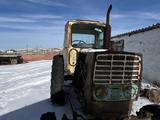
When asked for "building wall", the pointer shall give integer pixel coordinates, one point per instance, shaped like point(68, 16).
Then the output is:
point(147, 43)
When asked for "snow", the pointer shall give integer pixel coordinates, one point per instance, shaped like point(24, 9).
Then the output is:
point(92, 50)
point(25, 92)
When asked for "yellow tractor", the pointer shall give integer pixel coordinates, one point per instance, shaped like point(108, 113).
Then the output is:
point(108, 80)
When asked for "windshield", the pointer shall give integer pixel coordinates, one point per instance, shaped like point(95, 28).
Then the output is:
point(87, 36)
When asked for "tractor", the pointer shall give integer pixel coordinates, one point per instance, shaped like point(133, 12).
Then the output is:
point(109, 80)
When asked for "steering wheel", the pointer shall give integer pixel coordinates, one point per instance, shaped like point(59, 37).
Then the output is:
point(78, 43)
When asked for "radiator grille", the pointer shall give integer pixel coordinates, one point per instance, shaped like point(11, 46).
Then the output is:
point(117, 68)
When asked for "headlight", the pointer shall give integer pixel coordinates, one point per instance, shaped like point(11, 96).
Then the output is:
point(134, 91)
point(100, 91)
point(73, 57)
point(130, 91)
point(127, 91)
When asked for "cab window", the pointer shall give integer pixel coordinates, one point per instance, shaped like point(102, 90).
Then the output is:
point(87, 36)
point(83, 40)
point(66, 39)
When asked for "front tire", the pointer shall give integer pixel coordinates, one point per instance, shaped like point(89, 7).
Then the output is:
point(57, 81)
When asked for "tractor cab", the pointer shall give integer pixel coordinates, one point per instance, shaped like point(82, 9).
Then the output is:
point(85, 34)
point(81, 34)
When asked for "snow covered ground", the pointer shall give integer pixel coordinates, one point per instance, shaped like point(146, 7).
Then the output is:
point(24, 92)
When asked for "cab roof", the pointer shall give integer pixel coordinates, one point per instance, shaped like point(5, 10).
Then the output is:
point(71, 22)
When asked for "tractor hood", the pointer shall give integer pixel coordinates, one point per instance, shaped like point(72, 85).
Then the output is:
point(92, 50)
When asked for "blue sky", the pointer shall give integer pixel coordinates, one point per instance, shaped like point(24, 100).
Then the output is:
point(40, 23)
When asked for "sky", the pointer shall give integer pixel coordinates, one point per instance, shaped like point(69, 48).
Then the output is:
point(40, 23)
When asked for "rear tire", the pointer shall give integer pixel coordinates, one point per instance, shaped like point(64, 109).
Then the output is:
point(13, 61)
point(57, 81)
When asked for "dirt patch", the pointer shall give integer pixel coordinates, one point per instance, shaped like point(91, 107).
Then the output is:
point(37, 57)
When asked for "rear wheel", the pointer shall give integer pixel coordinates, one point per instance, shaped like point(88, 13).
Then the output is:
point(57, 81)
point(13, 61)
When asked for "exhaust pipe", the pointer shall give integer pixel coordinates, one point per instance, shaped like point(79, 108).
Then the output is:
point(107, 35)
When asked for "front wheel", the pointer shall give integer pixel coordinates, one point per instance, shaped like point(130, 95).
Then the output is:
point(57, 81)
